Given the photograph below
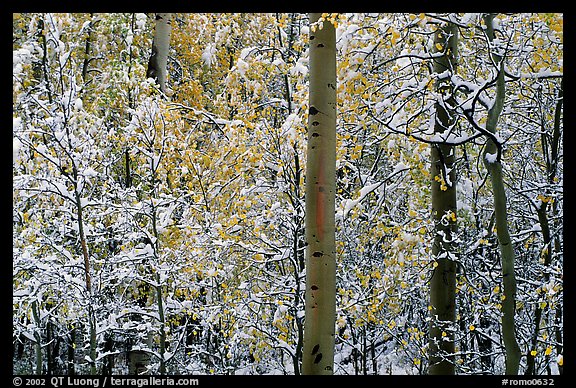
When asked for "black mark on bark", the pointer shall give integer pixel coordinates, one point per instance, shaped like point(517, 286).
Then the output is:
point(318, 358)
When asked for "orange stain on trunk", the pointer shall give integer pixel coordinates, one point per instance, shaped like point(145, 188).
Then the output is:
point(320, 200)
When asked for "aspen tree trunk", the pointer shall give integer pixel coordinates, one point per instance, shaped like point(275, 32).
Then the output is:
point(443, 192)
point(70, 364)
point(320, 310)
point(298, 262)
point(551, 153)
point(42, 69)
point(158, 63)
point(87, 270)
point(162, 322)
point(87, 50)
point(37, 337)
point(546, 258)
point(298, 230)
point(556, 138)
point(158, 287)
point(492, 155)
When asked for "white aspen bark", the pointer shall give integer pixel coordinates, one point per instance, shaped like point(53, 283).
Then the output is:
point(158, 63)
point(494, 167)
point(320, 310)
point(444, 206)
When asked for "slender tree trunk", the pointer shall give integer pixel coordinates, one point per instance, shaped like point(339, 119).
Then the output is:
point(158, 63)
point(37, 337)
point(559, 336)
point(71, 365)
point(297, 261)
point(158, 286)
point(127, 173)
point(443, 282)
point(52, 344)
point(298, 230)
point(108, 367)
point(546, 258)
point(87, 271)
point(162, 325)
point(93, 343)
point(44, 70)
point(508, 272)
point(492, 156)
point(485, 348)
point(87, 51)
point(555, 154)
point(320, 310)
point(542, 212)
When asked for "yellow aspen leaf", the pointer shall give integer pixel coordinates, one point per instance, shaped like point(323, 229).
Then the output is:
point(471, 327)
point(548, 351)
point(533, 352)
point(395, 36)
point(543, 305)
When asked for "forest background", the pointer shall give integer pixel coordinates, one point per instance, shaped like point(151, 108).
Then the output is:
point(159, 223)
